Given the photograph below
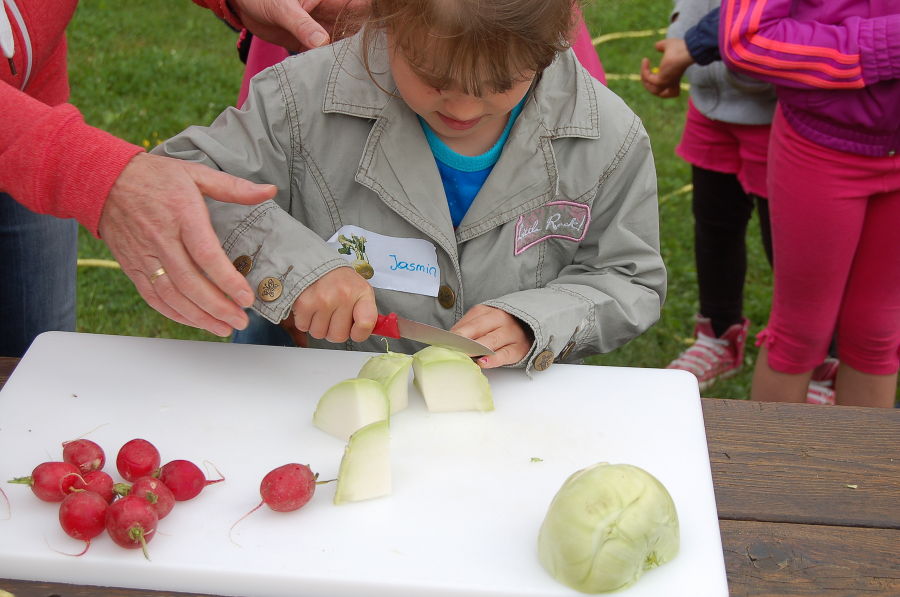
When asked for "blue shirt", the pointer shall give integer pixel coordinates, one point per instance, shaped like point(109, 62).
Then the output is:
point(463, 175)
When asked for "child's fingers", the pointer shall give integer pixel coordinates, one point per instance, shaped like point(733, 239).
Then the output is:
point(506, 355)
point(319, 324)
point(365, 314)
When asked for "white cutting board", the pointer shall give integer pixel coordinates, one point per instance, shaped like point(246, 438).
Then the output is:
point(469, 491)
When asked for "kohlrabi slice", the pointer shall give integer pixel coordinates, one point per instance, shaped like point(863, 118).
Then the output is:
point(365, 471)
point(350, 405)
point(607, 524)
point(391, 370)
point(450, 380)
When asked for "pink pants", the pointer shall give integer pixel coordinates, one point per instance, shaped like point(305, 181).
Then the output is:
point(836, 235)
point(262, 55)
point(720, 146)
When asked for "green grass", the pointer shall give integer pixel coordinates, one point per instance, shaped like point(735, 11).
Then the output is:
point(144, 70)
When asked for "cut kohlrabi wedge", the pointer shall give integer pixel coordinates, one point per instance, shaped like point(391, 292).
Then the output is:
point(365, 471)
point(450, 380)
point(391, 370)
point(350, 405)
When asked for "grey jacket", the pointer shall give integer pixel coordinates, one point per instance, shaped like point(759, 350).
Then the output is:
point(341, 151)
point(718, 93)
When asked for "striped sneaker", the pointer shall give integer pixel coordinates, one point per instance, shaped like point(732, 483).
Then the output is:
point(710, 358)
point(821, 386)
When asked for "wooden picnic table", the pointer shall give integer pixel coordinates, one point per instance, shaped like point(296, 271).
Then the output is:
point(808, 500)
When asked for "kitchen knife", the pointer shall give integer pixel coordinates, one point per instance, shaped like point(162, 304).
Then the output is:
point(394, 326)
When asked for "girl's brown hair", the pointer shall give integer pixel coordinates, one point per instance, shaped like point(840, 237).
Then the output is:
point(479, 45)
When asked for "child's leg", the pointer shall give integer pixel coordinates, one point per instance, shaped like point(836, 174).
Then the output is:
point(817, 221)
point(869, 321)
point(721, 213)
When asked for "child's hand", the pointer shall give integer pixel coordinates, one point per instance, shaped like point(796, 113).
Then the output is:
point(665, 81)
point(498, 330)
point(337, 306)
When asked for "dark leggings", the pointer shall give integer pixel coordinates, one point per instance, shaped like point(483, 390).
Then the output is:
point(721, 212)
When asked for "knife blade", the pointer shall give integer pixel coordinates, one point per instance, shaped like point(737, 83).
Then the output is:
point(394, 326)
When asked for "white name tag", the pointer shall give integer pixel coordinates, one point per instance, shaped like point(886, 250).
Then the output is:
point(404, 264)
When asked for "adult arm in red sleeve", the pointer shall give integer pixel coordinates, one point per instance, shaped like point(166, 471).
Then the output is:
point(148, 209)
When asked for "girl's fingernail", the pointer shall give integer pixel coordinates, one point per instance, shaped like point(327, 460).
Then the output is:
point(317, 39)
point(483, 360)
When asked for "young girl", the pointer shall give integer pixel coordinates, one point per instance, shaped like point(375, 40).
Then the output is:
point(725, 139)
point(453, 163)
point(834, 189)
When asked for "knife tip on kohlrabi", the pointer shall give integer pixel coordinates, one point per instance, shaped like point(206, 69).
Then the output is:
point(391, 370)
point(449, 380)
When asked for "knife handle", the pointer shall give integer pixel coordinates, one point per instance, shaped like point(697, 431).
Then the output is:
point(386, 325)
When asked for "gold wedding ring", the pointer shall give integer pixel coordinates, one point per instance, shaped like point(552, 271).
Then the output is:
point(161, 271)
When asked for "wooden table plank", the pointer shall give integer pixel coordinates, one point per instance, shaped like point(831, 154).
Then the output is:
point(774, 559)
point(798, 463)
point(24, 588)
point(7, 364)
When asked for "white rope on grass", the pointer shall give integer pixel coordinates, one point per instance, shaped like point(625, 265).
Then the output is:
point(602, 39)
point(109, 263)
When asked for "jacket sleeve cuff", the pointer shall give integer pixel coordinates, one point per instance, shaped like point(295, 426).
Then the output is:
point(91, 171)
point(702, 39)
point(880, 49)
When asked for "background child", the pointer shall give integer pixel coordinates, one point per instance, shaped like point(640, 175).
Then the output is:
point(725, 139)
point(834, 189)
point(475, 173)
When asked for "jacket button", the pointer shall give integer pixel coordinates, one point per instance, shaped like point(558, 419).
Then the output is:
point(243, 264)
point(269, 289)
point(567, 350)
point(446, 297)
point(543, 360)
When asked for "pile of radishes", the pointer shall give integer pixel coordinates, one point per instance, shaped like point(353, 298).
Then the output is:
point(91, 502)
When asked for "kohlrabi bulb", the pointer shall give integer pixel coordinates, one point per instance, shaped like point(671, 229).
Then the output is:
point(606, 525)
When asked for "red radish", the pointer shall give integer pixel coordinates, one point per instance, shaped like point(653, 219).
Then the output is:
point(131, 522)
point(84, 454)
point(184, 478)
point(99, 482)
point(154, 491)
point(51, 481)
point(286, 488)
point(137, 458)
point(82, 516)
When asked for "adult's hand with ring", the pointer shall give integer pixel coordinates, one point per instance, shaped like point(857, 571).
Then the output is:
point(294, 24)
point(155, 217)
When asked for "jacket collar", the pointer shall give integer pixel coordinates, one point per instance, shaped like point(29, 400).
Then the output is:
point(525, 177)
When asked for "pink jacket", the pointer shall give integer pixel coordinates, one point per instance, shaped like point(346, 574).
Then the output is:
point(51, 161)
point(835, 64)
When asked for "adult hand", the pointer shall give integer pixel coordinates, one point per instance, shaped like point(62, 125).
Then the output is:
point(499, 331)
point(337, 306)
point(155, 220)
point(294, 24)
point(665, 81)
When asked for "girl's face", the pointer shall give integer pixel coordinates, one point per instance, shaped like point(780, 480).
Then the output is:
point(468, 124)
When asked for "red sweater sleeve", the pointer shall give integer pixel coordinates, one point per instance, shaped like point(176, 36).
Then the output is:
point(52, 162)
point(223, 11)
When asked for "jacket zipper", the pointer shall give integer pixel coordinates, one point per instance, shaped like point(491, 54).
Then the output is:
point(17, 15)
